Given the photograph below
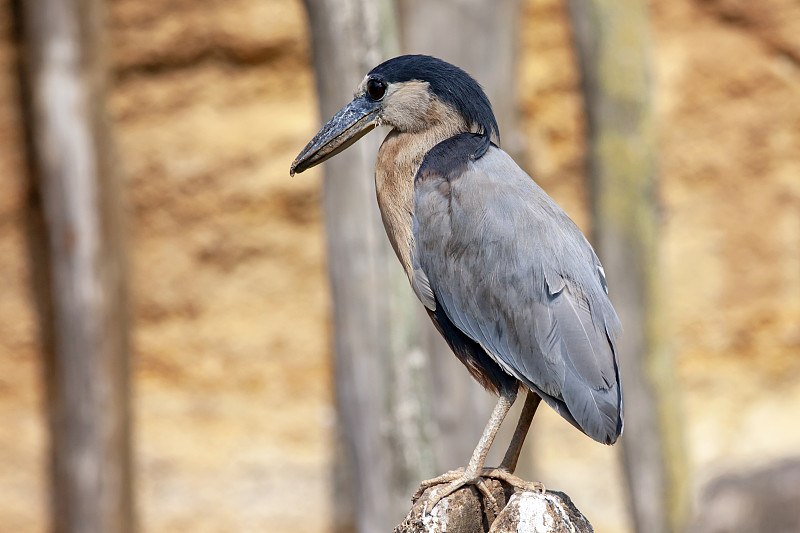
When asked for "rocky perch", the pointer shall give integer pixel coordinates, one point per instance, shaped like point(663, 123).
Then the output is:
point(464, 511)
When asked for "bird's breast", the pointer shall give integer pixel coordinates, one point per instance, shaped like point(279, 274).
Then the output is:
point(394, 183)
point(399, 158)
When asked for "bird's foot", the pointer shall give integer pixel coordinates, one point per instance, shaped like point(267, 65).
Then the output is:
point(452, 481)
point(455, 479)
point(517, 482)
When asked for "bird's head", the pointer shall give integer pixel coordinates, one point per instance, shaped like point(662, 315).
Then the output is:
point(410, 94)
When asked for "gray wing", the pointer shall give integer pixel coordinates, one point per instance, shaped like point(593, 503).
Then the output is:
point(516, 275)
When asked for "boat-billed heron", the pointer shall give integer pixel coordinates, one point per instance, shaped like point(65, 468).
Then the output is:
point(505, 275)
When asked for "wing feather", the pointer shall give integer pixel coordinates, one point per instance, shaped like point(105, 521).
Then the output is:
point(514, 274)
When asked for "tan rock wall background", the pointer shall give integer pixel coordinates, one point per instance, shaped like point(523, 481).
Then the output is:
point(212, 99)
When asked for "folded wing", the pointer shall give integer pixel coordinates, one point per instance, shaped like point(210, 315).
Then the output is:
point(516, 275)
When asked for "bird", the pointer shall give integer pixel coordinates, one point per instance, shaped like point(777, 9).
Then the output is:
point(507, 278)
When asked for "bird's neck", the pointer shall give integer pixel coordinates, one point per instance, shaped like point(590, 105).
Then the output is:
point(399, 158)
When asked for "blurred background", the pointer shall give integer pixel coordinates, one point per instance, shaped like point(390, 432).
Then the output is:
point(233, 406)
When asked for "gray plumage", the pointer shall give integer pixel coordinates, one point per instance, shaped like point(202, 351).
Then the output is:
point(516, 275)
point(506, 277)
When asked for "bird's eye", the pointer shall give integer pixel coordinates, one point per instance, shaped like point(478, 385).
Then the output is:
point(376, 89)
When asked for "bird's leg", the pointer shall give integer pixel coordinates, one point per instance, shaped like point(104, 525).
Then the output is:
point(472, 473)
point(509, 462)
point(505, 471)
point(475, 472)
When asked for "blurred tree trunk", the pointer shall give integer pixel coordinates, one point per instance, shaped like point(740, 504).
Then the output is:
point(406, 408)
point(77, 251)
point(481, 38)
point(378, 357)
point(613, 45)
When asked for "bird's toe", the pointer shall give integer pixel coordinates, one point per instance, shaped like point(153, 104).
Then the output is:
point(450, 487)
point(517, 482)
point(447, 477)
point(456, 479)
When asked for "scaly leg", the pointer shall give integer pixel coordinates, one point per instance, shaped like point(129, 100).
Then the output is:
point(471, 475)
point(474, 472)
point(509, 462)
point(505, 471)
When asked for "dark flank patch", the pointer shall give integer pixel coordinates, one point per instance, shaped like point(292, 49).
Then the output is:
point(451, 85)
point(479, 364)
point(450, 157)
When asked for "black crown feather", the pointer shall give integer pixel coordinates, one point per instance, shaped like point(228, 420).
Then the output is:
point(451, 85)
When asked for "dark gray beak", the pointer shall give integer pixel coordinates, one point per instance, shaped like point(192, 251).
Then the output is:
point(354, 121)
